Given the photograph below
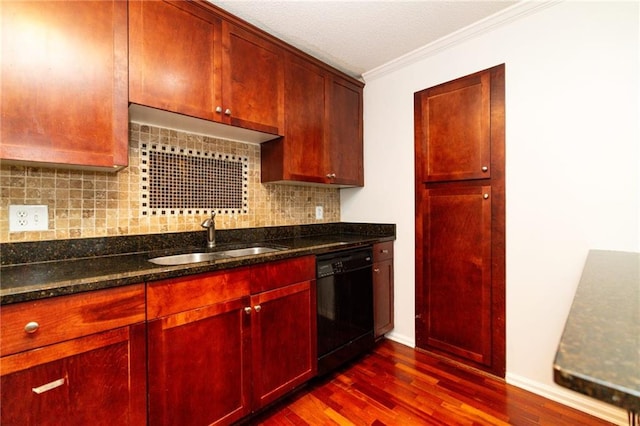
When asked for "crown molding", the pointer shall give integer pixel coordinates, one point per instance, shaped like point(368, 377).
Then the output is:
point(506, 16)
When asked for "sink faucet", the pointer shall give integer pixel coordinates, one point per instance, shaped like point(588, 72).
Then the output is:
point(210, 225)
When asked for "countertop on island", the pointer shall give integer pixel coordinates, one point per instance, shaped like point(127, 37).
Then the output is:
point(68, 267)
point(599, 353)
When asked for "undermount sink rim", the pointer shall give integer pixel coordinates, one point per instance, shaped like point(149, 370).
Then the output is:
point(208, 256)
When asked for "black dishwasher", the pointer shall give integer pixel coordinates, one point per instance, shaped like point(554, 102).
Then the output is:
point(345, 307)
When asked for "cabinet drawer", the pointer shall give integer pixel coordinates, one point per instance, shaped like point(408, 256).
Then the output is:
point(175, 295)
point(279, 274)
point(383, 251)
point(43, 322)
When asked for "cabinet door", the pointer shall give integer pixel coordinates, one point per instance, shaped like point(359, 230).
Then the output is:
point(64, 83)
point(454, 300)
point(283, 339)
point(299, 155)
point(96, 380)
point(174, 58)
point(253, 85)
point(344, 145)
point(452, 123)
point(198, 366)
point(382, 297)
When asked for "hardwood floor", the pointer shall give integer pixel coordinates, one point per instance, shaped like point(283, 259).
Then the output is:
point(396, 385)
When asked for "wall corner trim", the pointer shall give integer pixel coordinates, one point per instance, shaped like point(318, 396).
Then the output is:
point(503, 17)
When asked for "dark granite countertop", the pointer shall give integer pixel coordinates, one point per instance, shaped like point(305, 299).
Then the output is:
point(599, 353)
point(38, 270)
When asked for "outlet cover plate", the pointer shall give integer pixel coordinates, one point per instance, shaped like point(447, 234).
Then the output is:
point(28, 218)
point(319, 212)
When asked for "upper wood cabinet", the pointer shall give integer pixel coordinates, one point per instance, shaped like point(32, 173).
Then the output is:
point(344, 119)
point(64, 83)
point(253, 81)
point(322, 140)
point(453, 125)
point(176, 69)
point(203, 66)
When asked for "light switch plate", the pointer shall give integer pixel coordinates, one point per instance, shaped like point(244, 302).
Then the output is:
point(319, 212)
point(28, 218)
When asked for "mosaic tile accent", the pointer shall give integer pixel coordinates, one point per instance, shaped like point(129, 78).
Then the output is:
point(86, 204)
point(178, 180)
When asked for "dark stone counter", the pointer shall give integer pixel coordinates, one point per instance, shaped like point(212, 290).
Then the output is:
point(599, 353)
point(37, 270)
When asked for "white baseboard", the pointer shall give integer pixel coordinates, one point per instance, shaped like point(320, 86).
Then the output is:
point(571, 399)
point(401, 339)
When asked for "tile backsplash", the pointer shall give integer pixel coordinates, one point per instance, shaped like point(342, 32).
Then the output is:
point(85, 204)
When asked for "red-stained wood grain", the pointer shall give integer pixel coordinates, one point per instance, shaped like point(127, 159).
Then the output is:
point(397, 385)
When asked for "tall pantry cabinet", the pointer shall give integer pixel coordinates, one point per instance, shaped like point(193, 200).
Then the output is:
point(460, 220)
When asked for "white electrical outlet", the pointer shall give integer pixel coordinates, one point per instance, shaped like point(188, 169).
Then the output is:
point(319, 212)
point(28, 218)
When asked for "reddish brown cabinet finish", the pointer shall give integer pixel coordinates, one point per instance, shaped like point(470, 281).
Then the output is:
point(453, 130)
point(344, 120)
point(176, 69)
point(382, 288)
point(457, 268)
point(64, 83)
point(87, 367)
point(460, 220)
point(204, 66)
point(252, 81)
point(283, 339)
point(199, 346)
point(233, 341)
point(322, 140)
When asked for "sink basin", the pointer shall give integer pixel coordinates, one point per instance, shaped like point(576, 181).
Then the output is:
point(249, 251)
point(183, 259)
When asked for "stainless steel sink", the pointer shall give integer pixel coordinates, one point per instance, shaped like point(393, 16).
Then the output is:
point(249, 251)
point(183, 259)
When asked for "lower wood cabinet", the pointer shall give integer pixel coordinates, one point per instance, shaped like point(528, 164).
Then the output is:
point(224, 344)
point(283, 328)
point(382, 288)
point(82, 374)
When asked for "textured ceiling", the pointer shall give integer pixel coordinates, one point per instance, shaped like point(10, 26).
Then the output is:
point(357, 36)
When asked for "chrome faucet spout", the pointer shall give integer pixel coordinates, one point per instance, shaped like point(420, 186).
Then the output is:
point(210, 225)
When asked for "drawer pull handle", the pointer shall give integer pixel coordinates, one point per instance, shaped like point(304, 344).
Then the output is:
point(48, 386)
point(384, 251)
point(31, 327)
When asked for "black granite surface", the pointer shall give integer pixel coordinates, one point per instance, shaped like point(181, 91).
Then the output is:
point(599, 353)
point(36, 270)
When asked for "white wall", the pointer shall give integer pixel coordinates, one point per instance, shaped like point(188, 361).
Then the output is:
point(572, 163)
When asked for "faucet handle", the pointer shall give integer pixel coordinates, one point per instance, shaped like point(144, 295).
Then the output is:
point(210, 222)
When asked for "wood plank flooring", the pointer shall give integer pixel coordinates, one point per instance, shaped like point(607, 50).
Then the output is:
point(396, 385)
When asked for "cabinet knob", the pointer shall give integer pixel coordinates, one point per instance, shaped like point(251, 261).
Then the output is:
point(227, 111)
point(485, 168)
point(376, 270)
point(247, 310)
point(218, 109)
point(331, 175)
point(384, 251)
point(257, 308)
point(485, 196)
point(31, 327)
